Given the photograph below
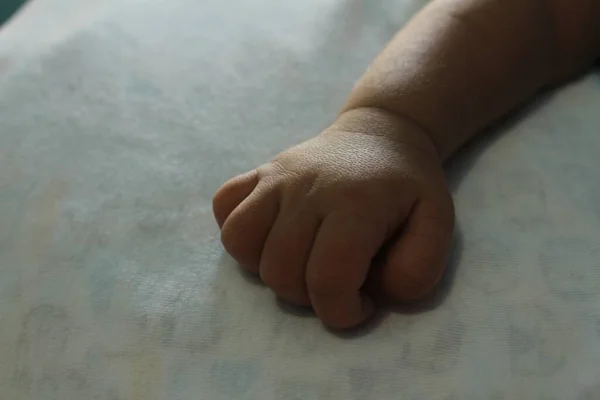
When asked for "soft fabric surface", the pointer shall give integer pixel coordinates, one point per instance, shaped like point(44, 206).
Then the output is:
point(120, 118)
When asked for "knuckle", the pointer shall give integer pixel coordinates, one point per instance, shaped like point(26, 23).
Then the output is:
point(285, 287)
point(420, 290)
point(277, 281)
point(239, 249)
point(228, 238)
point(415, 286)
point(273, 281)
point(218, 207)
point(324, 285)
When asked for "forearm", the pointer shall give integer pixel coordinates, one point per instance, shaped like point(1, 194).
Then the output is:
point(461, 64)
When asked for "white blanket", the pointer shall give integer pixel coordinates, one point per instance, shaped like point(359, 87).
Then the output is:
point(118, 121)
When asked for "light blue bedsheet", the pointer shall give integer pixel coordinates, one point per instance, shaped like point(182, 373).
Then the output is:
point(118, 121)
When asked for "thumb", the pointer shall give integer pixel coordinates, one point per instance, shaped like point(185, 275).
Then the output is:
point(416, 260)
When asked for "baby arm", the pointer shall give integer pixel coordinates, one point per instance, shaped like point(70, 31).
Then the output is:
point(460, 64)
point(310, 221)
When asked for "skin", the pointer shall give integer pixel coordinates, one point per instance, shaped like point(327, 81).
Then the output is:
point(311, 221)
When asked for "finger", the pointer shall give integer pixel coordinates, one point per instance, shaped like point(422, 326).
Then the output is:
point(416, 261)
point(247, 227)
point(337, 268)
point(284, 257)
point(232, 193)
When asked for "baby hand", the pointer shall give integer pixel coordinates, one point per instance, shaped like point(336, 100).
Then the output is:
point(311, 221)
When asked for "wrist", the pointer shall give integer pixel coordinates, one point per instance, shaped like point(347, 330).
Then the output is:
point(381, 122)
